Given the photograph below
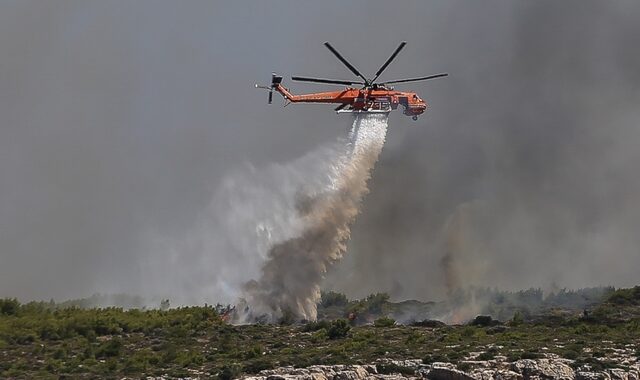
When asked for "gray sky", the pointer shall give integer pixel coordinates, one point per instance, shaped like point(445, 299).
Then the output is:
point(119, 121)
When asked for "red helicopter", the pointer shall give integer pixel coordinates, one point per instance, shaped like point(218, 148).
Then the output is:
point(372, 97)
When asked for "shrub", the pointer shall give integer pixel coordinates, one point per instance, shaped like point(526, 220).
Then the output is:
point(429, 323)
point(170, 353)
point(375, 302)
point(287, 318)
point(110, 348)
point(25, 337)
point(315, 326)
point(330, 298)
point(570, 354)
point(484, 321)
point(430, 359)
point(464, 366)
point(517, 319)
point(319, 336)
point(339, 329)
point(487, 356)
point(530, 355)
point(9, 306)
point(384, 322)
point(60, 353)
point(257, 365)
point(134, 365)
point(254, 352)
point(625, 296)
point(187, 358)
point(229, 372)
point(513, 356)
point(454, 356)
point(415, 338)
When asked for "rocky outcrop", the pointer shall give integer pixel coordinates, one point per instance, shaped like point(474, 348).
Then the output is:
point(525, 369)
point(326, 372)
point(544, 369)
point(446, 371)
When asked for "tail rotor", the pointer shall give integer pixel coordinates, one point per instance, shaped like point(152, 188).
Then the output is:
point(275, 81)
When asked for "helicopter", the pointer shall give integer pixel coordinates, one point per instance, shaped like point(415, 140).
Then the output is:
point(371, 97)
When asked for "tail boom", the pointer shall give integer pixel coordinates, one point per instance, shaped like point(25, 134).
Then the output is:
point(345, 96)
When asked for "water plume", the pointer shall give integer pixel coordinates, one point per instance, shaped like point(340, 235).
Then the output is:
point(289, 284)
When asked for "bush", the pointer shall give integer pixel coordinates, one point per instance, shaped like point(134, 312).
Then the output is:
point(513, 356)
point(625, 296)
point(430, 359)
point(454, 356)
point(170, 353)
point(570, 354)
point(530, 355)
point(384, 322)
point(257, 365)
point(229, 372)
point(484, 321)
point(429, 323)
point(110, 348)
point(9, 306)
point(339, 329)
point(254, 352)
point(375, 302)
point(487, 356)
point(517, 319)
point(329, 299)
point(315, 326)
point(464, 366)
point(287, 318)
point(319, 336)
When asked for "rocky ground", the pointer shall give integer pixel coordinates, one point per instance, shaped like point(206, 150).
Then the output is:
point(499, 368)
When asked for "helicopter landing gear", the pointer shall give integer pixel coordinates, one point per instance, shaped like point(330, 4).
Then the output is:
point(415, 118)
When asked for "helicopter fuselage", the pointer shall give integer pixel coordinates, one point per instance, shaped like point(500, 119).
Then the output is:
point(380, 99)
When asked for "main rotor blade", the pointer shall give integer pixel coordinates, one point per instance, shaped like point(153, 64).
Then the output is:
point(345, 62)
point(322, 80)
point(393, 56)
point(416, 79)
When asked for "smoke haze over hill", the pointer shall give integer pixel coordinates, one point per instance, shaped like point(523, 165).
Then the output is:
point(125, 128)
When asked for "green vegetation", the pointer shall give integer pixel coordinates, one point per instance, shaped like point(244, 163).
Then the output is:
point(499, 305)
point(41, 339)
point(98, 342)
point(390, 368)
point(384, 322)
point(625, 296)
point(339, 329)
point(329, 299)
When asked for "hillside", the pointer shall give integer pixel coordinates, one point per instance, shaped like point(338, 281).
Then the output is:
point(38, 340)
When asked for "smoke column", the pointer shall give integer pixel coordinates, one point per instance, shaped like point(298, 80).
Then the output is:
point(291, 277)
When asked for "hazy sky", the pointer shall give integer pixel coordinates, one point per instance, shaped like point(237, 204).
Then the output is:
point(119, 122)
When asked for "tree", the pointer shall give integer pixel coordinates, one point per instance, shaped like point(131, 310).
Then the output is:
point(339, 329)
point(9, 306)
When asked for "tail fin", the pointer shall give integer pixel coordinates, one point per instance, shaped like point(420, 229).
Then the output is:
point(275, 81)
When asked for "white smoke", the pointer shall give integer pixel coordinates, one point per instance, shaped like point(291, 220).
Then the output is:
point(249, 226)
point(290, 278)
